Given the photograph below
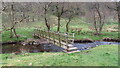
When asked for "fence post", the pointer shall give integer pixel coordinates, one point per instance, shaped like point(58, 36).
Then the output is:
point(73, 38)
point(54, 38)
point(42, 33)
point(39, 33)
point(67, 42)
point(49, 36)
point(59, 39)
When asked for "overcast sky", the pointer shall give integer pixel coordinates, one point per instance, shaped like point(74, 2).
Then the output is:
point(59, 0)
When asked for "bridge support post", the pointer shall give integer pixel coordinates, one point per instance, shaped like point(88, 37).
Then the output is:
point(67, 43)
point(39, 33)
point(53, 38)
point(59, 40)
point(49, 36)
point(43, 33)
point(73, 38)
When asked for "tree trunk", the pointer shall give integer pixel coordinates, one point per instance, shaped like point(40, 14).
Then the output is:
point(67, 25)
point(67, 28)
point(45, 18)
point(118, 11)
point(33, 19)
point(95, 25)
point(27, 20)
point(47, 25)
point(58, 29)
point(38, 18)
point(100, 18)
point(15, 32)
point(11, 33)
point(119, 17)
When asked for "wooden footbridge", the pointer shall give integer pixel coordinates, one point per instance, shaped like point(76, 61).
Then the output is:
point(60, 39)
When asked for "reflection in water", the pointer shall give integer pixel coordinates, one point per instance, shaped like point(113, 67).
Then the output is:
point(17, 48)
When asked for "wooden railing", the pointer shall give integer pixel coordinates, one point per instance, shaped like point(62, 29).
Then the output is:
point(59, 39)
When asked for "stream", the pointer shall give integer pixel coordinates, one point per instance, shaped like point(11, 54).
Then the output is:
point(86, 46)
point(18, 48)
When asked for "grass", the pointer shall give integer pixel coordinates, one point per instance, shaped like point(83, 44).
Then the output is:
point(104, 55)
point(90, 35)
point(26, 30)
point(24, 33)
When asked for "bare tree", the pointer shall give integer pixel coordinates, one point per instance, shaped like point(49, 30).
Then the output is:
point(72, 11)
point(58, 11)
point(46, 9)
point(97, 16)
point(116, 7)
point(11, 11)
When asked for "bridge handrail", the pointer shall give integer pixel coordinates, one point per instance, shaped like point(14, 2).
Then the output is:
point(57, 35)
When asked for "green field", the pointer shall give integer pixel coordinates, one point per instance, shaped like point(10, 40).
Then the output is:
point(24, 18)
point(23, 33)
point(25, 30)
point(104, 55)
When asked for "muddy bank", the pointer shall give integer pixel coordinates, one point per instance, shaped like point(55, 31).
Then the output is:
point(111, 40)
point(83, 41)
point(35, 42)
point(11, 42)
point(29, 41)
point(90, 40)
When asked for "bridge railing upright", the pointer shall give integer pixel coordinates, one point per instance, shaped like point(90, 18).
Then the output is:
point(67, 38)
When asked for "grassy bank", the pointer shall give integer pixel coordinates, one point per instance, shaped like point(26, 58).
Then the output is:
point(23, 34)
point(104, 55)
point(27, 29)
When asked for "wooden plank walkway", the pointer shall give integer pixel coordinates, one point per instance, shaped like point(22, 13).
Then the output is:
point(63, 40)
